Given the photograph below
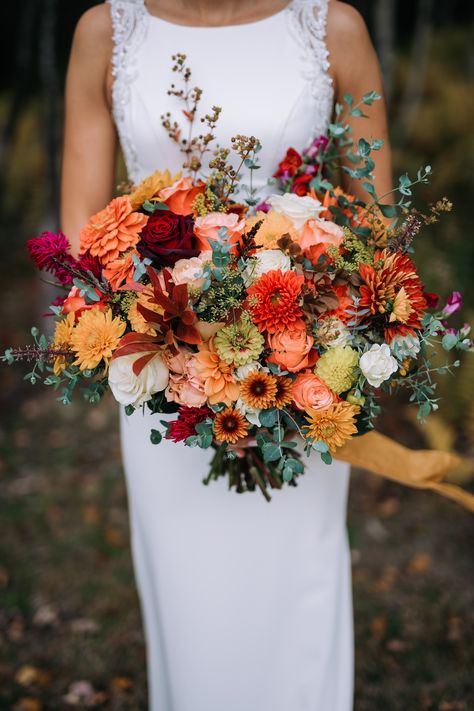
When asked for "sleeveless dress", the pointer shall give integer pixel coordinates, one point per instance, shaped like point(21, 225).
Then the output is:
point(246, 604)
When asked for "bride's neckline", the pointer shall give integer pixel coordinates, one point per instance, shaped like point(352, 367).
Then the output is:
point(217, 27)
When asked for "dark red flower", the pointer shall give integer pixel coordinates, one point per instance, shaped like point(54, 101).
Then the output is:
point(289, 165)
point(168, 237)
point(185, 425)
point(89, 263)
point(51, 252)
point(432, 299)
point(301, 184)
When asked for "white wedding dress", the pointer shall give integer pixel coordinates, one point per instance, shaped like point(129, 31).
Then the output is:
point(246, 604)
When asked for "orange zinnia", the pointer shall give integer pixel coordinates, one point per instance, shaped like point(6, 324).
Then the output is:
point(230, 426)
point(273, 301)
point(112, 230)
point(217, 376)
point(120, 271)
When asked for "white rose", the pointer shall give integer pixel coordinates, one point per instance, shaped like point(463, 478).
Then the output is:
point(378, 364)
point(243, 370)
point(131, 389)
point(250, 413)
point(265, 261)
point(298, 209)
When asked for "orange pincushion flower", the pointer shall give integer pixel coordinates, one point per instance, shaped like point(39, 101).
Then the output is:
point(112, 230)
point(273, 301)
point(333, 426)
point(217, 376)
point(393, 290)
point(284, 390)
point(230, 426)
point(258, 390)
point(120, 271)
point(96, 337)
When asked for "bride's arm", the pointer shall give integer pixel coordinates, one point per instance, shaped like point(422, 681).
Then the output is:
point(355, 70)
point(88, 165)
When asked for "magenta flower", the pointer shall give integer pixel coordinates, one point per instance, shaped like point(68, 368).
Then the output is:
point(453, 304)
point(50, 252)
point(263, 207)
point(318, 145)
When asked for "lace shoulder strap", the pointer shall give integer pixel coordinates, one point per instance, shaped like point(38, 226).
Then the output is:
point(129, 26)
point(308, 19)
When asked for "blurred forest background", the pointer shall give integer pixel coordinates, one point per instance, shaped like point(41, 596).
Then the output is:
point(70, 632)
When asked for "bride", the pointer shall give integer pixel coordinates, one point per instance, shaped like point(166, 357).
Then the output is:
point(246, 605)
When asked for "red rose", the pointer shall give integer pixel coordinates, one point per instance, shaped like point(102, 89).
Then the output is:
point(289, 165)
point(168, 237)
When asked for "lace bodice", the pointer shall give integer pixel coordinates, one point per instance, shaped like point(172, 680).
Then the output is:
point(270, 77)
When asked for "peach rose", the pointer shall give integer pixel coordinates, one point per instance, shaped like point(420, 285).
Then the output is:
point(291, 349)
point(273, 227)
point(309, 391)
point(190, 271)
point(317, 235)
point(180, 196)
point(206, 228)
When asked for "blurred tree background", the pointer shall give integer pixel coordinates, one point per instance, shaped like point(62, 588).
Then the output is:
point(70, 632)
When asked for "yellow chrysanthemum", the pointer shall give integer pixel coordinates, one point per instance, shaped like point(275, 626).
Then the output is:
point(62, 340)
point(333, 426)
point(338, 368)
point(95, 338)
point(137, 321)
point(150, 186)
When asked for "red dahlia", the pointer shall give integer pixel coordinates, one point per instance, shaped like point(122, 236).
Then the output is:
point(273, 301)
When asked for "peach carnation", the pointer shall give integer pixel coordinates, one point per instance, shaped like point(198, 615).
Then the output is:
point(218, 378)
point(112, 230)
point(290, 349)
point(206, 228)
point(309, 391)
point(180, 196)
point(184, 387)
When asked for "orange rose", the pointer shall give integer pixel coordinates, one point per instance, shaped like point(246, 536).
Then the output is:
point(206, 228)
point(317, 236)
point(180, 196)
point(291, 349)
point(310, 392)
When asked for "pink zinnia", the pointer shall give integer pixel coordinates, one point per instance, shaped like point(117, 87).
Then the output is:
point(185, 426)
point(50, 252)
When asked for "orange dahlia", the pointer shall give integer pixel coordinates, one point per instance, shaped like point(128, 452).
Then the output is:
point(112, 230)
point(258, 390)
point(284, 392)
point(273, 301)
point(333, 426)
point(217, 376)
point(230, 426)
point(393, 290)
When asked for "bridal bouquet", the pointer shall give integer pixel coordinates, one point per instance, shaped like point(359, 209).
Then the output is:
point(269, 328)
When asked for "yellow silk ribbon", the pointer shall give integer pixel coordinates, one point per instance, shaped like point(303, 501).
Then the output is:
point(421, 469)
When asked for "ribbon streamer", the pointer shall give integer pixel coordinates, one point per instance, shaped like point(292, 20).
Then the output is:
point(420, 469)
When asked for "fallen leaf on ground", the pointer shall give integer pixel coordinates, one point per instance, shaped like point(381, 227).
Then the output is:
point(28, 704)
point(122, 683)
point(45, 616)
point(83, 625)
point(28, 675)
